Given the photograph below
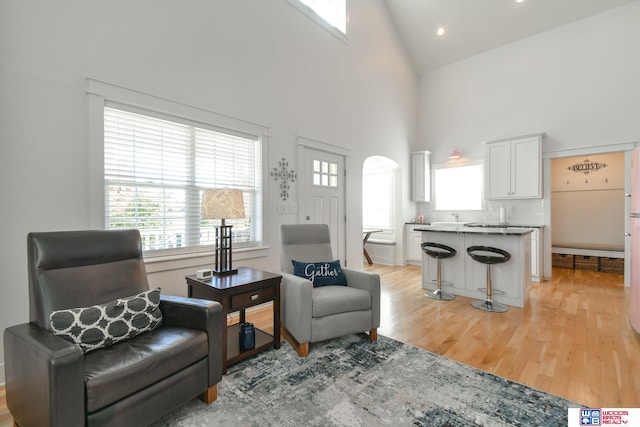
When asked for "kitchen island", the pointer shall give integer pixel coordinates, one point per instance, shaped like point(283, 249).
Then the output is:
point(467, 276)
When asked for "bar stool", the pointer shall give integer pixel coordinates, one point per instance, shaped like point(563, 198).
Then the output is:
point(439, 252)
point(500, 257)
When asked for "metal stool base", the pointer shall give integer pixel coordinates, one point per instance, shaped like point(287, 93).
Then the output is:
point(439, 295)
point(494, 307)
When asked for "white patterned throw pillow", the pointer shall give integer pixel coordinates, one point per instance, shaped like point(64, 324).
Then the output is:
point(106, 324)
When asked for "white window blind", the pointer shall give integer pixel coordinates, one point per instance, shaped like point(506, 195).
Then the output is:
point(155, 171)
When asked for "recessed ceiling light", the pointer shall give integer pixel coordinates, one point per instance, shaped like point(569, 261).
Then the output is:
point(519, 1)
point(440, 31)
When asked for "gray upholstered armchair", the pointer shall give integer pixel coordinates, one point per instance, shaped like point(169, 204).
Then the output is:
point(312, 314)
point(51, 381)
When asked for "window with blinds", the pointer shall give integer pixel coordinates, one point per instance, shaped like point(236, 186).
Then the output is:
point(155, 170)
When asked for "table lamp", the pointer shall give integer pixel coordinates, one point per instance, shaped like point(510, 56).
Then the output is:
point(222, 203)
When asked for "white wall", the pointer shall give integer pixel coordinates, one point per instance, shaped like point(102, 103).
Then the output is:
point(262, 61)
point(578, 83)
point(588, 208)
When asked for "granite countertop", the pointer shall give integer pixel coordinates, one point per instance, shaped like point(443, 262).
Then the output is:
point(505, 231)
point(487, 224)
point(502, 225)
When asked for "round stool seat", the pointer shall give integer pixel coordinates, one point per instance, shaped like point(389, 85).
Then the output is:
point(502, 255)
point(441, 251)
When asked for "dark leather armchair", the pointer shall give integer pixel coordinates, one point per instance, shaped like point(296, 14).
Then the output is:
point(52, 382)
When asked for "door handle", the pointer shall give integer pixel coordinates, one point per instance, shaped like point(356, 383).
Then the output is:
point(627, 234)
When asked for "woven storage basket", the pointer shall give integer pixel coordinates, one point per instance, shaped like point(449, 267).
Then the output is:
point(589, 263)
point(612, 265)
point(562, 261)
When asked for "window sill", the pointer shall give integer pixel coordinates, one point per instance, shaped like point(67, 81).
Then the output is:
point(156, 264)
point(381, 242)
point(310, 13)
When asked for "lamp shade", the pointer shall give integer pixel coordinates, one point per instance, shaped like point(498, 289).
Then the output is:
point(455, 154)
point(222, 203)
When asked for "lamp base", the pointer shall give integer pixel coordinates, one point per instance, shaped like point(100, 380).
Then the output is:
point(223, 253)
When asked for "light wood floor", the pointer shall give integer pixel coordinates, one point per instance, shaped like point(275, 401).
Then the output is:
point(573, 339)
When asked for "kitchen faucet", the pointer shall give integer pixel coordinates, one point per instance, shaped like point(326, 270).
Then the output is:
point(455, 215)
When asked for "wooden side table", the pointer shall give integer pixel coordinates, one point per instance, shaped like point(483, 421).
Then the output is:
point(238, 292)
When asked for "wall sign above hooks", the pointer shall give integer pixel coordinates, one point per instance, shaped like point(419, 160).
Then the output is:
point(587, 167)
point(284, 175)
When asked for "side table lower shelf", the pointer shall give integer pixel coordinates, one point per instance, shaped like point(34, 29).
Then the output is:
point(236, 293)
point(264, 341)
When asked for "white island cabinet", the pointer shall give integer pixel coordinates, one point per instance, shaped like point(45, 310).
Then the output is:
point(467, 276)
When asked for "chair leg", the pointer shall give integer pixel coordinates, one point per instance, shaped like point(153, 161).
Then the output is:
point(301, 349)
point(210, 395)
point(373, 334)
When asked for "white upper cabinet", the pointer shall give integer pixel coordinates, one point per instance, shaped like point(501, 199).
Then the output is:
point(513, 168)
point(420, 177)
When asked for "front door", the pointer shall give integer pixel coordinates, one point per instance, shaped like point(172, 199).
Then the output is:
point(322, 198)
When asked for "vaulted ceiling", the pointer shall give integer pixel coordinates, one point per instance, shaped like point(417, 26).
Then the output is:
point(475, 26)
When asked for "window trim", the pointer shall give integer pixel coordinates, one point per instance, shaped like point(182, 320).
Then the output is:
point(101, 93)
point(311, 14)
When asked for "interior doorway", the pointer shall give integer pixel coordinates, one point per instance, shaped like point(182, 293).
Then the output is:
point(590, 212)
point(381, 208)
point(587, 199)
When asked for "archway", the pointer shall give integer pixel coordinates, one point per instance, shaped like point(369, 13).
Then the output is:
point(382, 207)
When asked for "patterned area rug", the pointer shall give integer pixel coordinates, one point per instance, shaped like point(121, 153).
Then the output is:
point(352, 382)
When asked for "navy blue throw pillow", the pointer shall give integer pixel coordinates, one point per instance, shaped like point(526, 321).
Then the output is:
point(320, 273)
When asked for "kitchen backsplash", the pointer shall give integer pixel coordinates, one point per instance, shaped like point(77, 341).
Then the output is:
point(525, 211)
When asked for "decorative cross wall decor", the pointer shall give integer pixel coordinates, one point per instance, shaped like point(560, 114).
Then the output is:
point(284, 175)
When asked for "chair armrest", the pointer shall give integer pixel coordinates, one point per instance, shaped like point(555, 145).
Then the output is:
point(44, 377)
point(370, 282)
point(296, 306)
point(198, 314)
